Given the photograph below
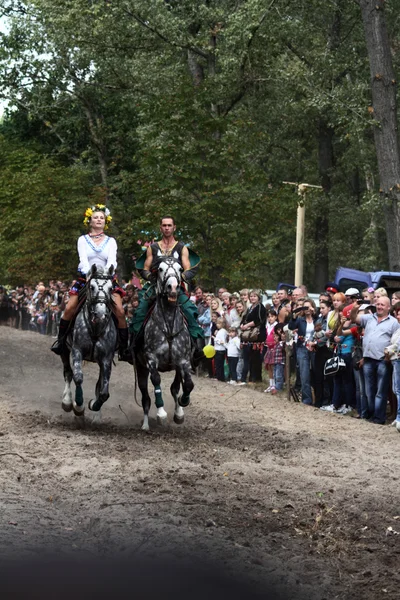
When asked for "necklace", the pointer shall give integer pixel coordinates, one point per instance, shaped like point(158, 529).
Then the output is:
point(95, 237)
point(167, 250)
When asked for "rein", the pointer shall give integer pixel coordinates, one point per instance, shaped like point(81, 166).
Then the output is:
point(91, 302)
point(166, 327)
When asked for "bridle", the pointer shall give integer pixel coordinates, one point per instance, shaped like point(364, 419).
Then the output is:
point(171, 271)
point(92, 301)
point(167, 327)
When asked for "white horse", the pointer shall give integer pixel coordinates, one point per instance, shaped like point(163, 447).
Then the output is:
point(166, 346)
point(94, 338)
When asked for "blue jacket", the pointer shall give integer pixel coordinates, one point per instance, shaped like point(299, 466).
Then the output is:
point(205, 322)
point(300, 324)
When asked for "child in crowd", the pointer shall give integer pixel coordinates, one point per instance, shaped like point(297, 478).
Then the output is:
point(270, 344)
point(279, 357)
point(220, 339)
point(233, 352)
point(213, 331)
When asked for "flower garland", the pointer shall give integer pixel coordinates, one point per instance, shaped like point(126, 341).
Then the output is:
point(92, 209)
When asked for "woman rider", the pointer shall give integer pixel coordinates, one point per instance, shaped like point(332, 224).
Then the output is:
point(95, 248)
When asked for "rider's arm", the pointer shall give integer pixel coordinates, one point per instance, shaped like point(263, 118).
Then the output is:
point(185, 259)
point(83, 258)
point(112, 254)
point(146, 273)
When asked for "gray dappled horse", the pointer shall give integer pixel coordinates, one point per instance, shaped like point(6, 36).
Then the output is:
point(93, 338)
point(166, 346)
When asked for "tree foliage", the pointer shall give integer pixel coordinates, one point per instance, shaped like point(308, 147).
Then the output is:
point(201, 110)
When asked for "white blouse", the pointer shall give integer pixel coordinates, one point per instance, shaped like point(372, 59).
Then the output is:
point(103, 255)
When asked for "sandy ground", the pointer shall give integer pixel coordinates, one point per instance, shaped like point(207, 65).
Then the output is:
point(266, 490)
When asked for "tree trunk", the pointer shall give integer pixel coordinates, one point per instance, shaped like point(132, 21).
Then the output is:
point(95, 125)
point(325, 160)
point(384, 112)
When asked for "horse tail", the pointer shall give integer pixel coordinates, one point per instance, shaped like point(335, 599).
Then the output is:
point(136, 381)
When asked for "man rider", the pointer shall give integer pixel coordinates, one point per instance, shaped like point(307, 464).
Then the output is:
point(168, 246)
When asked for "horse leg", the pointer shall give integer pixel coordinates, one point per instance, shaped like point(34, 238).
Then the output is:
point(187, 385)
point(179, 416)
point(66, 402)
point(77, 402)
point(156, 381)
point(142, 378)
point(102, 386)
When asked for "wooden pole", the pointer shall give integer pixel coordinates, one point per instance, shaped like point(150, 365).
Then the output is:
point(299, 264)
point(302, 189)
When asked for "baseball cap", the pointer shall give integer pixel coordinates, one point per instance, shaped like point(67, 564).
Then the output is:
point(364, 306)
point(347, 310)
point(352, 292)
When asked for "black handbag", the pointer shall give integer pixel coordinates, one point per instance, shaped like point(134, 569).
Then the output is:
point(333, 365)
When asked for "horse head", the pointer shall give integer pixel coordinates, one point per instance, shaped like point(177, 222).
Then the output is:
point(99, 294)
point(169, 278)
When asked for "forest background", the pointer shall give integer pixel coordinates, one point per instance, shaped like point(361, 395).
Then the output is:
point(201, 109)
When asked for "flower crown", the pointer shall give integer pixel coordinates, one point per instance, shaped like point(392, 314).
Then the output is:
point(92, 209)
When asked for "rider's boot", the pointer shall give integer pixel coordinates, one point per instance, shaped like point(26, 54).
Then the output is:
point(198, 354)
point(59, 344)
point(124, 353)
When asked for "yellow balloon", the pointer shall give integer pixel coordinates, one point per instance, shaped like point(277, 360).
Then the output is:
point(209, 351)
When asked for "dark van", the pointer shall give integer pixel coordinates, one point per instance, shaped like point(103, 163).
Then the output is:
point(346, 278)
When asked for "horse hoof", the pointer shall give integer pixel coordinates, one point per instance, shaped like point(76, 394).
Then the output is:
point(161, 420)
point(183, 401)
point(67, 407)
point(92, 405)
point(145, 427)
point(79, 411)
point(178, 420)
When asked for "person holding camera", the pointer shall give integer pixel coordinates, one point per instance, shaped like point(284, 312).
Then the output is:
point(302, 321)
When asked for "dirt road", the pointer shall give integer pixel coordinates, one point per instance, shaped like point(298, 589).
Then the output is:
point(267, 490)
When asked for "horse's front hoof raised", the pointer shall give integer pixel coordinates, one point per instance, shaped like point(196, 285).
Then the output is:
point(178, 420)
point(94, 405)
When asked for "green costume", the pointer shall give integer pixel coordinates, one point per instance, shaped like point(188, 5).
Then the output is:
point(147, 296)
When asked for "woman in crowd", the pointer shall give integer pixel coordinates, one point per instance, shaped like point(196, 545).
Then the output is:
point(95, 248)
point(216, 306)
point(378, 293)
point(232, 316)
point(205, 320)
point(275, 301)
point(395, 299)
point(255, 317)
point(344, 398)
point(302, 320)
point(323, 387)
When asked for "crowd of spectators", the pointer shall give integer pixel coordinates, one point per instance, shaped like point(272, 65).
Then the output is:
point(362, 328)
point(255, 336)
point(39, 308)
